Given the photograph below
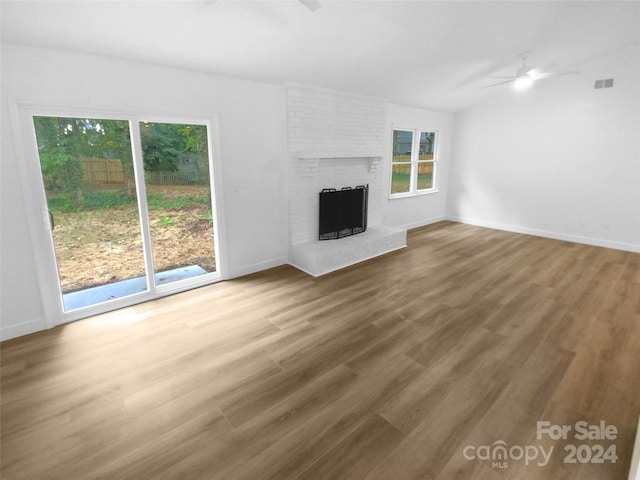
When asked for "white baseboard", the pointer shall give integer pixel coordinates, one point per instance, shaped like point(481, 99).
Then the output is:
point(256, 267)
point(423, 223)
point(8, 332)
point(596, 242)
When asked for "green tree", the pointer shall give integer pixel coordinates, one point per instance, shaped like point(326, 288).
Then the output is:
point(58, 150)
point(196, 142)
point(63, 142)
point(162, 144)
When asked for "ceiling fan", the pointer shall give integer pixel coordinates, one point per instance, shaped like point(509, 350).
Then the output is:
point(525, 75)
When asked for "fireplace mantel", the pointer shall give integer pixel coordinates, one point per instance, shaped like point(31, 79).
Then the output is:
point(336, 156)
point(312, 161)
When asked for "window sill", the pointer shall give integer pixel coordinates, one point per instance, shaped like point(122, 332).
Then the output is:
point(413, 194)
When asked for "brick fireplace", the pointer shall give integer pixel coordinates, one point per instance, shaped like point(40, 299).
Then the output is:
point(335, 140)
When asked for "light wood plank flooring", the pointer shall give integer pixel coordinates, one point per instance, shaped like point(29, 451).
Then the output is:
point(385, 370)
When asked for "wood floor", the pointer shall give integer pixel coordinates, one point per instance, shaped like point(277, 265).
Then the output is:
point(386, 370)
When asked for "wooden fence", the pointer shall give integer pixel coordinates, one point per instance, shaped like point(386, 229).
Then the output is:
point(101, 171)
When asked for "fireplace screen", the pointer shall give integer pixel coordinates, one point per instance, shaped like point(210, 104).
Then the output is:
point(343, 212)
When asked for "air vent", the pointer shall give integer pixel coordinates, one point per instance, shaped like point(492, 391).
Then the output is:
point(606, 83)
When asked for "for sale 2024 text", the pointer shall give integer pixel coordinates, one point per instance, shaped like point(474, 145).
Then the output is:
point(583, 453)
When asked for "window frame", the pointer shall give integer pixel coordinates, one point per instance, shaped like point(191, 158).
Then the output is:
point(415, 162)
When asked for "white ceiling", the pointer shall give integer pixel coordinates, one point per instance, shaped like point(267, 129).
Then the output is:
point(431, 54)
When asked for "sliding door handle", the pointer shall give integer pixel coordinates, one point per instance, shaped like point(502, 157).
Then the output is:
point(52, 223)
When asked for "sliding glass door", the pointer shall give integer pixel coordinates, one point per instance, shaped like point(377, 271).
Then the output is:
point(177, 180)
point(130, 207)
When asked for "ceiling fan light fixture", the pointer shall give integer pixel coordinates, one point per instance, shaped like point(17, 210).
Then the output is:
point(523, 82)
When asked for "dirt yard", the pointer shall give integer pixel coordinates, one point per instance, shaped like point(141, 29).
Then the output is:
point(97, 247)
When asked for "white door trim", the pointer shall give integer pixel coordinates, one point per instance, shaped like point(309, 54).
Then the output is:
point(37, 220)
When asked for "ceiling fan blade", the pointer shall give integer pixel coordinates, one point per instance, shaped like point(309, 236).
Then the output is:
point(500, 83)
point(541, 75)
point(503, 76)
point(312, 5)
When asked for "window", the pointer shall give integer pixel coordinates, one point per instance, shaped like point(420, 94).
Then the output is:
point(413, 162)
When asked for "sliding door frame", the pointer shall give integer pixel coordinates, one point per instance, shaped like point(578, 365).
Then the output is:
point(35, 202)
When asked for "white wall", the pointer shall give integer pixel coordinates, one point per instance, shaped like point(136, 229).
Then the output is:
point(411, 212)
point(251, 142)
point(560, 160)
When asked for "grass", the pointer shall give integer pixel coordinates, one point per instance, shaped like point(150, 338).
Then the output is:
point(91, 200)
point(400, 182)
point(158, 201)
point(101, 242)
point(108, 199)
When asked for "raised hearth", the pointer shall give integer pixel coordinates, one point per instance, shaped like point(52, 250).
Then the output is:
point(320, 257)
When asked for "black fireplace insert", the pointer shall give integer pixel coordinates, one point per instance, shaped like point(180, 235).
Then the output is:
point(343, 212)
